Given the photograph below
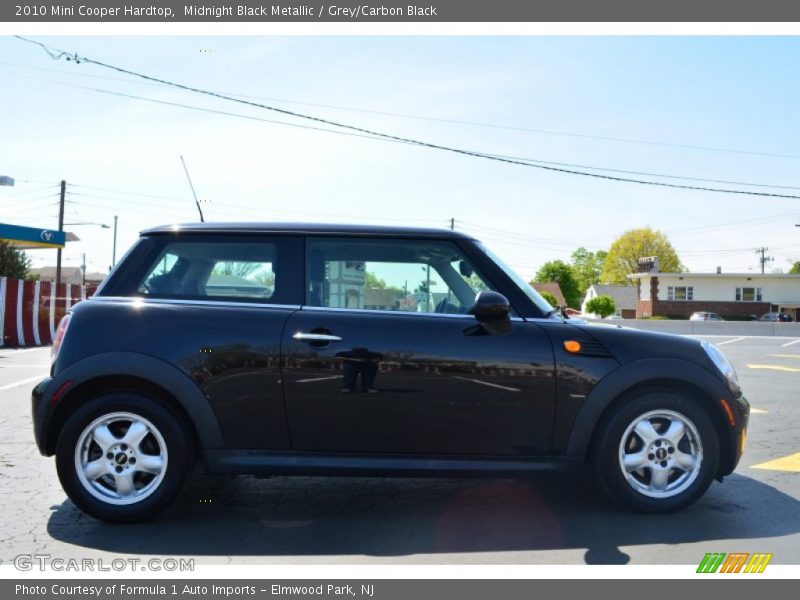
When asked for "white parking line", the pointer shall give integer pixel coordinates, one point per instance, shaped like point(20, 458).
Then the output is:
point(20, 351)
point(318, 379)
point(739, 339)
point(790, 343)
point(23, 382)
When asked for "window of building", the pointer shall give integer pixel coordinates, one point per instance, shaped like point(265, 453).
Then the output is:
point(748, 294)
point(680, 293)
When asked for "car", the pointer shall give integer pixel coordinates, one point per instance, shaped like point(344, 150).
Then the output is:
point(705, 316)
point(364, 351)
point(776, 317)
point(613, 318)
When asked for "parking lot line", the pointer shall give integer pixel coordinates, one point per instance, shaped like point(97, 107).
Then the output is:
point(789, 463)
point(757, 411)
point(739, 339)
point(775, 368)
point(785, 355)
point(23, 382)
point(790, 343)
point(19, 351)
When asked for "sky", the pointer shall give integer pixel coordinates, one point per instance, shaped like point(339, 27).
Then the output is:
point(713, 108)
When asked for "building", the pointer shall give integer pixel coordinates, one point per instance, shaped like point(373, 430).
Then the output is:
point(624, 297)
point(553, 288)
point(71, 275)
point(678, 295)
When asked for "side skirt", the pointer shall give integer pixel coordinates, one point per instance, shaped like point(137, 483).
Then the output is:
point(255, 462)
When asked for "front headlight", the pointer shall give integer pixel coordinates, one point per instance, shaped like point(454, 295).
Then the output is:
point(721, 362)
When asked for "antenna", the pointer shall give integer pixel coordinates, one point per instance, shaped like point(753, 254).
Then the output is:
point(196, 201)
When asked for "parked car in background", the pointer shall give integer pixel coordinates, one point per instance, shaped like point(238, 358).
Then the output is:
point(258, 348)
point(705, 316)
point(776, 317)
point(613, 318)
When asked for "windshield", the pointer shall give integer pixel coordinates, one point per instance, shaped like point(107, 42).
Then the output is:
point(527, 288)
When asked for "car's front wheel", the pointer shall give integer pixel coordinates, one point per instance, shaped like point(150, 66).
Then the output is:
point(657, 452)
point(123, 457)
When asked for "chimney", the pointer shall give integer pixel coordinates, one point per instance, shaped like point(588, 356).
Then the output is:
point(649, 264)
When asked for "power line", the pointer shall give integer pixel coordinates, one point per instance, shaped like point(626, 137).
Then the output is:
point(436, 119)
point(517, 159)
point(58, 54)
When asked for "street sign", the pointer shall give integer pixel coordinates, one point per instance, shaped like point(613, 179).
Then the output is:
point(31, 237)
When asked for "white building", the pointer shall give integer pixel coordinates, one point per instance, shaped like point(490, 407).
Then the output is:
point(727, 294)
point(624, 297)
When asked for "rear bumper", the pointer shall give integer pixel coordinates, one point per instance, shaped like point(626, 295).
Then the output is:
point(40, 412)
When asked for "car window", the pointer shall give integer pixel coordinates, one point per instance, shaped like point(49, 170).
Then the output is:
point(424, 276)
point(213, 270)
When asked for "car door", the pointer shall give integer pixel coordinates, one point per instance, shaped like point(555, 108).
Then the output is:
point(384, 357)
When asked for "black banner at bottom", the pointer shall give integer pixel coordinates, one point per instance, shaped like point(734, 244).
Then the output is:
point(387, 589)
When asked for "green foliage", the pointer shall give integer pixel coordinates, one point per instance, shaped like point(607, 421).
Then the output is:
point(623, 256)
point(602, 306)
point(551, 300)
point(795, 270)
point(561, 273)
point(13, 262)
point(587, 267)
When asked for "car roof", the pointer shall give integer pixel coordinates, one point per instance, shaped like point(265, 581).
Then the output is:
point(316, 228)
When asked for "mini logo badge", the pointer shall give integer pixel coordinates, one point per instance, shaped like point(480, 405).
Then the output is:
point(47, 236)
point(735, 562)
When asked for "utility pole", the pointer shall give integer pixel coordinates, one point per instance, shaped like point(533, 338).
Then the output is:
point(60, 228)
point(452, 224)
point(114, 250)
point(764, 259)
point(83, 270)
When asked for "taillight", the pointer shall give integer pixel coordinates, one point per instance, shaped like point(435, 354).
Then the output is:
point(62, 329)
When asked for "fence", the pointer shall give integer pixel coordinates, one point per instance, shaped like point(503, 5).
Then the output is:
point(30, 310)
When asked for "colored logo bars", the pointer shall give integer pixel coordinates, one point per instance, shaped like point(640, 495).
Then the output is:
point(735, 562)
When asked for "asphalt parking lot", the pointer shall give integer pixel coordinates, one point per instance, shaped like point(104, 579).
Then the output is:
point(551, 518)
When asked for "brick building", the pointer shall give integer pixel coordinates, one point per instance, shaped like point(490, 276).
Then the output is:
point(678, 295)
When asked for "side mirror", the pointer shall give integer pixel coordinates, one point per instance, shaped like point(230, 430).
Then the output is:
point(490, 307)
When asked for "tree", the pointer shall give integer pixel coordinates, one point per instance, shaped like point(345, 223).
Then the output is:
point(13, 262)
point(625, 252)
point(236, 269)
point(602, 306)
point(587, 267)
point(373, 282)
point(795, 270)
point(551, 300)
point(561, 273)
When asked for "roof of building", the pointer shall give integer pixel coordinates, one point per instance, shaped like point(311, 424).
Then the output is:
point(50, 272)
point(684, 274)
point(553, 288)
point(335, 228)
point(624, 296)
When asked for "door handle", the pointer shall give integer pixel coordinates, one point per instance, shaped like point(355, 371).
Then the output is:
point(316, 337)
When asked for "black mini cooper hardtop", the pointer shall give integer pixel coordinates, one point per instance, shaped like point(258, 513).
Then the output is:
point(353, 350)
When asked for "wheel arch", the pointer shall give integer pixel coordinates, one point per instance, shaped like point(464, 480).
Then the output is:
point(131, 372)
point(672, 375)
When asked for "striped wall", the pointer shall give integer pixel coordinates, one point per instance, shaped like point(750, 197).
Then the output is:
point(30, 310)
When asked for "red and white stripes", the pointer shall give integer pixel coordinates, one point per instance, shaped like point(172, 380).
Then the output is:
point(30, 310)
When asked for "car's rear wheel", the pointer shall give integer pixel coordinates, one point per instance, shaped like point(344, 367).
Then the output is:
point(656, 452)
point(123, 457)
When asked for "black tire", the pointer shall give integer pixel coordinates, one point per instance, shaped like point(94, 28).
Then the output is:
point(688, 485)
point(162, 489)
